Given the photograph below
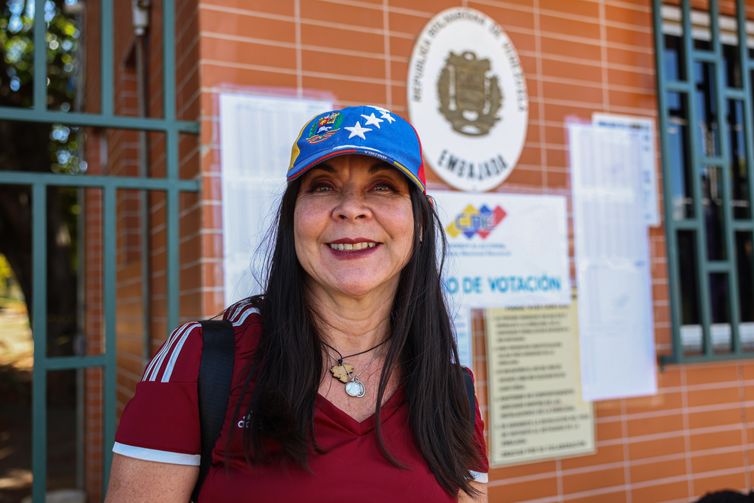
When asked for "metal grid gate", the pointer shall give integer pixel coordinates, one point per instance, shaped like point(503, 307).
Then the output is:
point(171, 185)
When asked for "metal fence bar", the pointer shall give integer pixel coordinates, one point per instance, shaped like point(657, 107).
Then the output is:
point(119, 182)
point(706, 56)
point(96, 120)
point(695, 151)
point(746, 84)
point(735, 94)
point(717, 357)
point(675, 86)
point(743, 226)
point(718, 266)
point(40, 56)
point(39, 334)
point(670, 232)
point(106, 58)
point(685, 225)
point(172, 216)
point(109, 233)
point(722, 106)
point(74, 362)
point(168, 59)
point(173, 256)
point(712, 161)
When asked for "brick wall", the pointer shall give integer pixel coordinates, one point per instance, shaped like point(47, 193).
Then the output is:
point(579, 56)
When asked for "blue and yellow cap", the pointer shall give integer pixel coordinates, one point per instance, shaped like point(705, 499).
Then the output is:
point(360, 130)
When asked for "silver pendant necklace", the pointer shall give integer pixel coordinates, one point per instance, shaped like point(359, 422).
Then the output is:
point(355, 387)
point(344, 371)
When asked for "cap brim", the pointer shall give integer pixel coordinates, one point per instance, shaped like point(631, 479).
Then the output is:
point(355, 150)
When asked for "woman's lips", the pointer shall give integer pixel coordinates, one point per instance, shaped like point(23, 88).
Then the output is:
point(352, 248)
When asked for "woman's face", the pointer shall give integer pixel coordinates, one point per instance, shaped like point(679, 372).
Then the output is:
point(353, 226)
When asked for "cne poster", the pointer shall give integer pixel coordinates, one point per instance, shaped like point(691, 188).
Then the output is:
point(502, 250)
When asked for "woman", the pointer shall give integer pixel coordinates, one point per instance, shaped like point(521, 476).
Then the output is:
point(344, 383)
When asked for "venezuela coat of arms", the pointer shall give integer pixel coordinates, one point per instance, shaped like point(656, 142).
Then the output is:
point(469, 98)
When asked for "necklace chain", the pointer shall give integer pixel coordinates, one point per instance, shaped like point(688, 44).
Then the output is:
point(341, 357)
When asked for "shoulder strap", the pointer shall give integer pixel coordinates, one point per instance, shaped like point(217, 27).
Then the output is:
point(215, 374)
point(469, 382)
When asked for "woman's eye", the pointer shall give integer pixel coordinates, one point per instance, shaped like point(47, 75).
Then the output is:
point(384, 187)
point(320, 187)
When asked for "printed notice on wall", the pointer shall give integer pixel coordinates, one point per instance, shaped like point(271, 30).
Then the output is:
point(613, 269)
point(536, 410)
point(641, 132)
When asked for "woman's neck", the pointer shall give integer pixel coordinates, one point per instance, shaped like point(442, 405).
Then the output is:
point(351, 324)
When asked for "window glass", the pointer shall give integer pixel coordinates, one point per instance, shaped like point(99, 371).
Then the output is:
point(678, 159)
point(712, 204)
point(673, 59)
point(707, 129)
point(745, 275)
point(688, 277)
point(739, 172)
point(688, 282)
point(731, 67)
point(720, 310)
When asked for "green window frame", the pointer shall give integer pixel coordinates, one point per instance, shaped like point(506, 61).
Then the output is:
point(705, 68)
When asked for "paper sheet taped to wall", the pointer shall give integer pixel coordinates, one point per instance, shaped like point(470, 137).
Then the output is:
point(536, 410)
point(612, 264)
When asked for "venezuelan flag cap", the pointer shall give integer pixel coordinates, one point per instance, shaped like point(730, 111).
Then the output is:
point(360, 130)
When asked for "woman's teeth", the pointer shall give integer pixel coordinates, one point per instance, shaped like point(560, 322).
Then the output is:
point(352, 246)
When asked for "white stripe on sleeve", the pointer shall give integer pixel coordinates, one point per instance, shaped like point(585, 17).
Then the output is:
point(174, 458)
point(159, 354)
point(244, 315)
point(174, 356)
point(167, 349)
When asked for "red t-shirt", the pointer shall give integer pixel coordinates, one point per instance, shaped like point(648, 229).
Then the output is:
point(161, 423)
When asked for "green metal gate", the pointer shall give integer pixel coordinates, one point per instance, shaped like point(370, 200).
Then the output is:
point(171, 185)
point(704, 89)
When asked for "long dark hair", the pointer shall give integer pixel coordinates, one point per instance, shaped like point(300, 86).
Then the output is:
point(287, 367)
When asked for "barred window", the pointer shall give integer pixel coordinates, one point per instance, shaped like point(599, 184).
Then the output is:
point(705, 93)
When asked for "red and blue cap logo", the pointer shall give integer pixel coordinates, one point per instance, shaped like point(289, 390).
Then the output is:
point(360, 130)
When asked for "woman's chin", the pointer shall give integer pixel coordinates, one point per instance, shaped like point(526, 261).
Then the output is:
point(361, 288)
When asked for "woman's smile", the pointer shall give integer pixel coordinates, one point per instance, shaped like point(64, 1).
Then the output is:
point(352, 248)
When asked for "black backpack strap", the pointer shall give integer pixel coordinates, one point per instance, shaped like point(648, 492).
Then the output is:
point(215, 374)
point(469, 382)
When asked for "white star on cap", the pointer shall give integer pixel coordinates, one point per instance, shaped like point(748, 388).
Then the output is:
point(385, 115)
point(357, 130)
point(372, 120)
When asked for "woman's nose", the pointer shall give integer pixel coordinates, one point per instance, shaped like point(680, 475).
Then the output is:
point(351, 206)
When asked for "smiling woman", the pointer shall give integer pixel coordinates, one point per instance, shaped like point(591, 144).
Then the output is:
point(346, 382)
